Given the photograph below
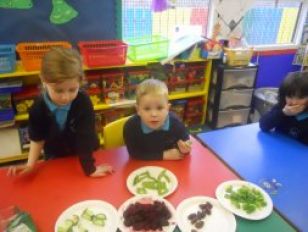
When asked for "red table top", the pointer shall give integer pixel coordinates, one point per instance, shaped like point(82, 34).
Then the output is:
point(60, 183)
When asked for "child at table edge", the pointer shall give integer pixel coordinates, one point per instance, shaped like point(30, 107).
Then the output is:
point(62, 119)
point(290, 115)
point(154, 133)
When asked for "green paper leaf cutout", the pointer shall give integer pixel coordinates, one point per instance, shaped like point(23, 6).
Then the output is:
point(62, 12)
point(16, 4)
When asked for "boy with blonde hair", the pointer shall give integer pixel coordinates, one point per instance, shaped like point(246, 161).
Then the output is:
point(155, 133)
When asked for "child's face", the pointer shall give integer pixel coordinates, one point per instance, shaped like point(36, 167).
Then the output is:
point(63, 93)
point(294, 101)
point(153, 110)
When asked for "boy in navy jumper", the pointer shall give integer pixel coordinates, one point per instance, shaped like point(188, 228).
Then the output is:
point(61, 120)
point(155, 133)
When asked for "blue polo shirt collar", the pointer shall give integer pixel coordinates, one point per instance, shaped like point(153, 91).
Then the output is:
point(302, 116)
point(52, 106)
point(60, 112)
point(147, 130)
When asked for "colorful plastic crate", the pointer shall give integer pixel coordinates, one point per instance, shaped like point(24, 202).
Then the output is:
point(31, 54)
point(238, 56)
point(7, 58)
point(148, 48)
point(103, 53)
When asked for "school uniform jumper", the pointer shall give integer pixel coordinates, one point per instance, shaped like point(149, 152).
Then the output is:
point(152, 144)
point(294, 126)
point(78, 136)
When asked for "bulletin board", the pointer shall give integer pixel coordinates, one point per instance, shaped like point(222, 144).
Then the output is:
point(52, 20)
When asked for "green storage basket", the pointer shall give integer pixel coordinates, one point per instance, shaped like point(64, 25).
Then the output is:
point(147, 48)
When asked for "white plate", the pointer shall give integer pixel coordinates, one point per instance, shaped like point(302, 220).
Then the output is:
point(236, 184)
point(220, 219)
point(96, 206)
point(154, 171)
point(123, 207)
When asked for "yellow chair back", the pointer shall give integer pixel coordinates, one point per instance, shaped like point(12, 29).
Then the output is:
point(113, 133)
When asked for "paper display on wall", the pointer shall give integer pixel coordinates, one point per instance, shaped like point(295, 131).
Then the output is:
point(61, 11)
point(230, 14)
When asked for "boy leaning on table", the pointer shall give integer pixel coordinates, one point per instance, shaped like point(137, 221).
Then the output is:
point(62, 120)
point(154, 133)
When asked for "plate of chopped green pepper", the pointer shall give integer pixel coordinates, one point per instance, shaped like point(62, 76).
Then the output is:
point(91, 215)
point(152, 180)
point(245, 199)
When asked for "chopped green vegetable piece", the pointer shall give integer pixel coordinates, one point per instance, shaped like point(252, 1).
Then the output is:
point(229, 189)
point(67, 226)
point(141, 191)
point(101, 216)
point(149, 184)
point(87, 214)
point(75, 219)
point(98, 221)
point(140, 177)
point(163, 175)
point(245, 198)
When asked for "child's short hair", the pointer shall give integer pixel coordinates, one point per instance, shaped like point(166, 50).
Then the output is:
point(60, 64)
point(294, 85)
point(151, 86)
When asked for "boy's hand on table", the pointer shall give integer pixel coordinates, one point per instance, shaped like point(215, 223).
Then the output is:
point(184, 146)
point(20, 170)
point(102, 170)
point(173, 154)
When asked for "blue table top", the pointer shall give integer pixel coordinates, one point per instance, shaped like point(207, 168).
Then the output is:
point(257, 156)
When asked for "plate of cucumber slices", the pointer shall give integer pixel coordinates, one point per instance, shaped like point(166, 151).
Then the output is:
point(91, 215)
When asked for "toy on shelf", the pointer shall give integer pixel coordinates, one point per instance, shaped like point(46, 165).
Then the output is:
point(93, 80)
point(113, 86)
point(6, 110)
point(212, 48)
point(195, 77)
point(24, 137)
point(159, 72)
point(194, 111)
point(7, 58)
point(133, 78)
point(24, 99)
point(177, 80)
point(95, 95)
point(178, 107)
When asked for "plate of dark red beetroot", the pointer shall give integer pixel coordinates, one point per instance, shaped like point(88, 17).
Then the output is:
point(147, 213)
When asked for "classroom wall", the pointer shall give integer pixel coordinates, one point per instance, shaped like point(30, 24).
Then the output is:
point(273, 67)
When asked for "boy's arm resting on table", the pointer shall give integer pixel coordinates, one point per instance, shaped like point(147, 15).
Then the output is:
point(36, 148)
point(272, 119)
point(87, 142)
point(37, 134)
point(173, 154)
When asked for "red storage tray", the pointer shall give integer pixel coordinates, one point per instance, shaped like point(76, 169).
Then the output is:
point(103, 53)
